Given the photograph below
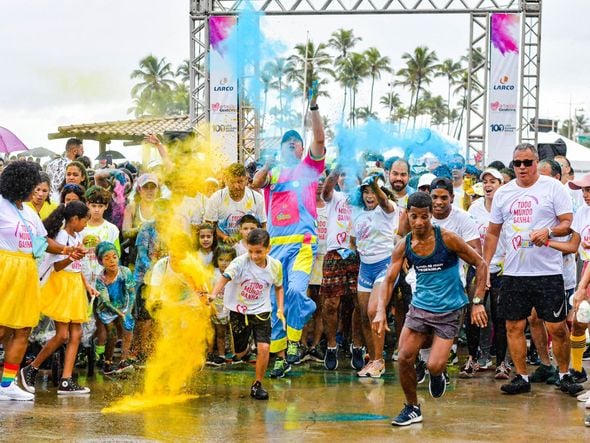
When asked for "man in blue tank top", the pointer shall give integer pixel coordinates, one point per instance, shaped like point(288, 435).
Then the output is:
point(436, 304)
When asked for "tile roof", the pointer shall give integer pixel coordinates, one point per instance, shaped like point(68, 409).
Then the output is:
point(124, 129)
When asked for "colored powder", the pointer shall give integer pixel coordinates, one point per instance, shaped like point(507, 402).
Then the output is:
point(181, 315)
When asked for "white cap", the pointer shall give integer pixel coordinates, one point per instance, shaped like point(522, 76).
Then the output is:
point(426, 179)
point(494, 173)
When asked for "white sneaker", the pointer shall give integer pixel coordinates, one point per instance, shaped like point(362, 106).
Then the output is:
point(584, 396)
point(13, 392)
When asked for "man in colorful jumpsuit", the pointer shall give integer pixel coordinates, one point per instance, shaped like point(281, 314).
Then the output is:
point(289, 190)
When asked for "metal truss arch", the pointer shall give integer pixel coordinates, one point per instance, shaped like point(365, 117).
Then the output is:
point(479, 11)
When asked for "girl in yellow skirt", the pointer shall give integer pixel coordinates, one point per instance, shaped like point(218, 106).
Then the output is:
point(19, 280)
point(63, 297)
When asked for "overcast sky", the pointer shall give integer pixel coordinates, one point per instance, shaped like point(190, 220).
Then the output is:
point(68, 61)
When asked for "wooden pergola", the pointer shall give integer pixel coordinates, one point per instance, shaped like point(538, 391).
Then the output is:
point(132, 132)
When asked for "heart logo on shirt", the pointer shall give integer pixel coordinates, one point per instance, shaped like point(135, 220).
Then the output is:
point(341, 237)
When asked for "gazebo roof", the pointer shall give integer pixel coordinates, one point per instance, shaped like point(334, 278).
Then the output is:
point(132, 130)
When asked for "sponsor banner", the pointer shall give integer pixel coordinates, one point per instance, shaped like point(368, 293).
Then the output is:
point(503, 93)
point(223, 88)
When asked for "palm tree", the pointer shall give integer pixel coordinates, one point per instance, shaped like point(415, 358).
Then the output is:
point(154, 75)
point(364, 113)
point(451, 70)
point(353, 70)
point(376, 64)
point(183, 72)
point(278, 71)
point(310, 61)
point(421, 65)
point(390, 101)
point(343, 40)
point(408, 81)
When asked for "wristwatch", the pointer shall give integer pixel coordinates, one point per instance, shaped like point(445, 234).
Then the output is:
point(314, 108)
point(476, 300)
point(550, 232)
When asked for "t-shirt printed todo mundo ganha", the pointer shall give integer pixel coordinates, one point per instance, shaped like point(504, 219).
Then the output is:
point(14, 235)
point(522, 210)
point(248, 292)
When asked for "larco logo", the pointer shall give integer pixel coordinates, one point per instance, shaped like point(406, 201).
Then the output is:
point(226, 88)
point(504, 84)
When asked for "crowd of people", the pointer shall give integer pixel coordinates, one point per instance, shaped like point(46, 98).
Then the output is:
point(308, 262)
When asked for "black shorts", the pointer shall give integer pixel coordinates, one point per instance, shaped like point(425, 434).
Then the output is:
point(244, 325)
point(544, 293)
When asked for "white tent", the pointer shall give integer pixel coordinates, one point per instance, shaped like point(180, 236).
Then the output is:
point(577, 154)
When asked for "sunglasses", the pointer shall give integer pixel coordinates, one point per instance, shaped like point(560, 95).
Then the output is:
point(526, 163)
point(72, 187)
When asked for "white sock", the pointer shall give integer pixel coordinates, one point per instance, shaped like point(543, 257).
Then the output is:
point(454, 348)
point(561, 374)
point(525, 377)
point(425, 354)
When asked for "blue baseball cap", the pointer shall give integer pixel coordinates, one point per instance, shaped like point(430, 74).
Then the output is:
point(292, 133)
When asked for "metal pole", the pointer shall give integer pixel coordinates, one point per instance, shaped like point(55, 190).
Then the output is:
point(303, 99)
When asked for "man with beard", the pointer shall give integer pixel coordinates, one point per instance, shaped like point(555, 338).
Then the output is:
point(227, 206)
point(399, 175)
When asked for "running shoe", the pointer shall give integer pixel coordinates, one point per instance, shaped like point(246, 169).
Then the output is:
point(395, 356)
point(67, 386)
point(586, 354)
point(569, 386)
point(28, 374)
point(316, 354)
point(517, 385)
point(280, 368)
point(437, 385)
point(363, 372)
point(293, 357)
point(420, 371)
point(13, 392)
point(484, 364)
point(533, 358)
point(447, 378)
point(108, 368)
point(469, 369)
point(258, 392)
point(331, 359)
point(377, 369)
point(124, 367)
point(357, 360)
point(543, 373)
point(215, 360)
point(408, 415)
point(503, 371)
point(579, 376)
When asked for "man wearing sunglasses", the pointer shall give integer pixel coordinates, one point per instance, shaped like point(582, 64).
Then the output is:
point(531, 209)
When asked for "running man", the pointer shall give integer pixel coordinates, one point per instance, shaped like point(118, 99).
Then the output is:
point(436, 304)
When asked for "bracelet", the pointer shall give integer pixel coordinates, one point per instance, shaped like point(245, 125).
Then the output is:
point(314, 108)
point(547, 242)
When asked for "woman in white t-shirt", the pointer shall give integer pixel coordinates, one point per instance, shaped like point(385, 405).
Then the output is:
point(374, 230)
point(19, 279)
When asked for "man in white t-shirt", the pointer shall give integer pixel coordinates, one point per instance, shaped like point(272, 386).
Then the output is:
point(227, 206)
point(532, 209)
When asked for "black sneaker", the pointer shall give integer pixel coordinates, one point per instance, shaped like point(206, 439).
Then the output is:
point(280, 368)
point(214, 360)
point(316, 354)
point(357, 360)
point(124, 367)
point(67, 386)
point(579, 376)
point(586, 354)
point(408, 415)
point(533, 358)
point(28, 374)
point(420, 371)
point(568, 385)
point(518, 385)
point(331, 359)
point(543, 373)
point(437, 386)
point(447, 377)
point(258, 392)
point(108, 368)
point(293, 357)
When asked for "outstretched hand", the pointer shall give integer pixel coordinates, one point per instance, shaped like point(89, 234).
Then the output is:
point(379, 324)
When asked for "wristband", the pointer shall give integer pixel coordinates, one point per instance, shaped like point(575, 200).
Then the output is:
point(547, 242)
point(314, 108)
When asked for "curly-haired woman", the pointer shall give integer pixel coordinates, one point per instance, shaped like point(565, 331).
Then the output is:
point(19, 280)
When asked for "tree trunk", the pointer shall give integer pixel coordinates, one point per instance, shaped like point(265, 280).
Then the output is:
point(343, 106)
point(449, 109)
point(372, 87)
point(416, 104)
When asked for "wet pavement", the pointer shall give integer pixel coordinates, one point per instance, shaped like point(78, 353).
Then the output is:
point(309, 404)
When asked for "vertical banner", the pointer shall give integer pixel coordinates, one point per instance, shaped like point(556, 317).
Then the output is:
point(503, 94)
point(223, 87)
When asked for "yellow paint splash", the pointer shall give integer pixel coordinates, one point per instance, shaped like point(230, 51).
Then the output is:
point(178, 307)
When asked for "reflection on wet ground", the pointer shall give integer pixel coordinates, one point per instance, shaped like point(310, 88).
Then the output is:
point(311, 404)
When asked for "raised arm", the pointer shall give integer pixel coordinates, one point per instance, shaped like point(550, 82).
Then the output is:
point(317, 147)
point(330, 184)
point(386, 204)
